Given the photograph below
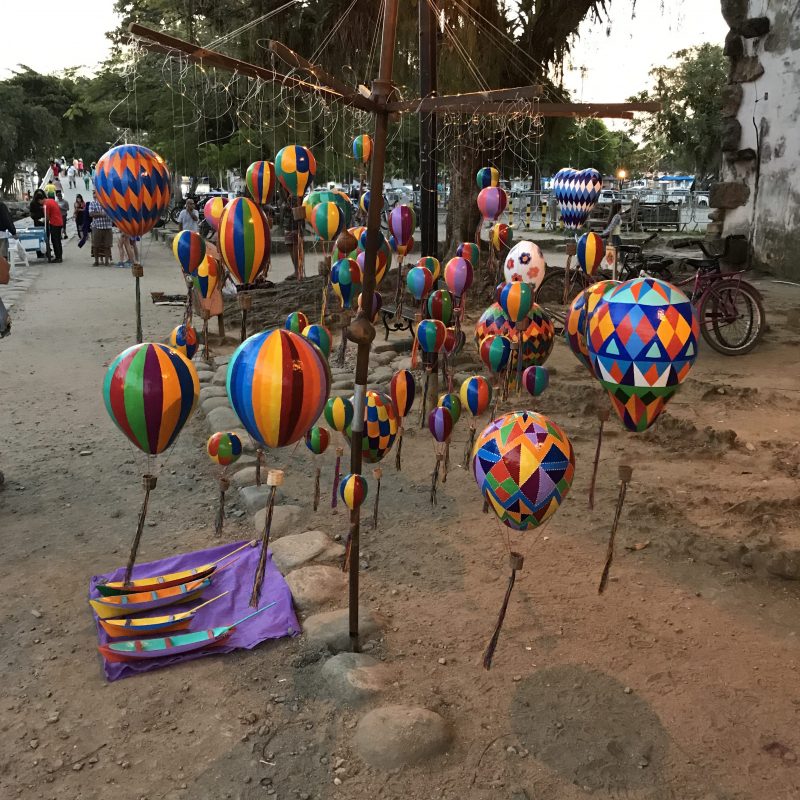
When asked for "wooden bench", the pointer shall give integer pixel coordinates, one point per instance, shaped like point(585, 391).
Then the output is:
point(393, 322)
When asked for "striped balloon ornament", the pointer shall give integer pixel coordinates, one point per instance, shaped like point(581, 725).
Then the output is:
point(132, 184)
point(487, 176)
point(492, 202)
point(362, 148)
point(320, 336)
point(207, 277)
point(476, 394)
point(363, 202)
point(516, 300)
point(295, 167)
point(440, 423)
point(317, 440)
point(212, 211)
point(418, 282)
point(535, 379)
point(184, 339)
point(452, 402)
point(277, 384)
point(471, 252)
point(224, 448)
point(260, 181)
point(458, 274)
point(431, 334)
point(495, 351)
point(338, 413)
point(150, 392)
point(244, 240)
point(502, 236)
point(383, 260)
point(189, 249)
point(296, 322)
point(346, 281)
point(440, 306)
point(327, 220)
point(432, 264)
point(454, 342)
point(402, 222)
point(591, 251)
point(377, 304)
point(403, 389)
point(353, 490)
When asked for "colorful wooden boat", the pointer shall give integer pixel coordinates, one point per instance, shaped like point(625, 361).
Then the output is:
point(156, 582)
point(149, 626)
point(168, 646)
point(123, 605)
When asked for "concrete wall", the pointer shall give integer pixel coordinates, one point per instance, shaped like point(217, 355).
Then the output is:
point(759, 196)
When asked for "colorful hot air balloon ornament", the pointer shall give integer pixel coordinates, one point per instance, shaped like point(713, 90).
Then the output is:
point(346, 279)
point(205, 280)
point(260, 181)
point(317, 441)
point(500, 238)
point(189, 249)
point(452, 402)
point(492, 203)
point(430, 335)
point(338, 414)
point(295, 168)
point(440, 424)
point(495, 352)
point(476, 395)
point(403, 389)
point(516, 300)
point(150, 392)
point(184, 340)
point(223, 449)
point(523, 464)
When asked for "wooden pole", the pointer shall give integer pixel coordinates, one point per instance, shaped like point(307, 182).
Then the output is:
point(362, 331)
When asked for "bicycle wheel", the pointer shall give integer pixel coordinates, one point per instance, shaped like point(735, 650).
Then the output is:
point(732, 317)
point(174, 213)
point(551, 289)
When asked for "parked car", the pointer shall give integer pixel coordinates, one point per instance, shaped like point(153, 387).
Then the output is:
point(608, 196)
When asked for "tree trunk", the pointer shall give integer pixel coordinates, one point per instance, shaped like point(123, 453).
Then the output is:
point(462, 208)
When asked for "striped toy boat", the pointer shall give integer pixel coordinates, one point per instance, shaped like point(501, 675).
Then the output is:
point(137, 649)
point(147, 626)
point(156, 582)
point(123, 605)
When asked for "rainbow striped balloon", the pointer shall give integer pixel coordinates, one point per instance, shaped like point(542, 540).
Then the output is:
point(184, 340)
point(403, 389)
point(353, 490)
point(452, 402)
point(224, 448)
point(339, 413)
point(362, 148)
point(495, 351)
point(189, 249)
point(471, 252)
point(278, 383)
point(591, 250)
point(440, 306)
point(320, 336)
point(296, 322)
point(133, 187)
point(487, 176)
point(212, 211)
point(150, 392)
point(431, 334)
point(418, 282)
point(346, 281)
point(295, 167)
point(244, 240)
point(327, 220)
point(207, 277)
point(476, 394)
point(317, 440)
point(260, 181)
point(516, 300)
point(440, 423)
point(432, 264)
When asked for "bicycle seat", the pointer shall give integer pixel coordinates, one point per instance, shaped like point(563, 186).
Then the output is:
point(703, 264)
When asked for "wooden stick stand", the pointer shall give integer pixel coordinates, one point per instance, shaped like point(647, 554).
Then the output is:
point(515, 561)
point(336, 474)
point(572, 250)
point(377, 473)
point(224, 485)
point(148, 484)
point(625, 475)
point(245, 304)
point(138, 272)
point(274, 480)
point(206, 314)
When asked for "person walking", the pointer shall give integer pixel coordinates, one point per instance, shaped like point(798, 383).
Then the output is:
point(64, 206)
point(80, 167)
point(87, 180)
point(189, 219)
point(71, 174)
point(102, 233)
point(54, 222)
point(79, 212)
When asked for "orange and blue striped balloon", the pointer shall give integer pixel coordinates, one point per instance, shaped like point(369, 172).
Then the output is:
point(591, 250)
point(278, 383)
point(133, 187)
point(476, 394)
point(516, 300)
point(317, 440)
point(339, 413)
point(189, 249)
point(353, 490)
point(487, 176)
point(244, 240)
point(207, 277)
point(150, 392)
point(362, 148)
point(320, 336)
point(327, 220)
point(403, 389)
point(184, 340)
point(224, 448)
point(260, 181)
point(295, 167)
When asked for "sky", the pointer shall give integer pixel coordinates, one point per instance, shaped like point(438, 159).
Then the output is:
point(616, 65)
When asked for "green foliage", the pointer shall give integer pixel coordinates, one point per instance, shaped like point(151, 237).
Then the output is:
point(686, 134)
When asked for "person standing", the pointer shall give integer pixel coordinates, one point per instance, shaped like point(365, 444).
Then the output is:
point(79, 212)
point(614, 225)
point(56, 167)
point(54, 222)
point(7, 230)
point(102, 234)
point(87, 180)
point(80, 167)
point(71, 173)
point(189, 219)
point(64, 206)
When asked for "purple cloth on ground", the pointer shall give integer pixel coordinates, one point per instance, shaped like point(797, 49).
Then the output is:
point(237, 580)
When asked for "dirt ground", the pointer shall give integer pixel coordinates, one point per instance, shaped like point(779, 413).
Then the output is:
point(680, 682)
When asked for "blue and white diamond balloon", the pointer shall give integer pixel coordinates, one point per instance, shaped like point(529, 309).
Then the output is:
point(576, 192)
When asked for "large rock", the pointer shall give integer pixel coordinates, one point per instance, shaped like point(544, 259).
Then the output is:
point(331, 629)
point(204, 376)
point(746, 69)
point(731, 95)
point(212, 391)
point(785, 564)
point(220, 376)
point(734, 12)
point(256, 497)
point(245, 476)
point(352, 679)
point(210, 403)
point(731, 133)
point(397, 736)
point(755, 26)
point(316, 586)
point(728, 194)
point(223, 419)
point(297, 549)
point(284, 519)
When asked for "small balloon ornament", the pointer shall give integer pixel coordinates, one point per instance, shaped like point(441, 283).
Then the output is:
point(295, 167)
point(516, 300)
point(132, 184)
point(486, 177)
point(338, 413)
point(523, 464)
point(207, 277)
point(576, 192)
point(212, 211)
point(475, 395)
point(320, 336)
point(317, 441)
point(430, 338)
point(525, 262)
point(184, 339)
point(440, 424)
point(471, 252)
point(346, 281)
point(296, 322)
point(452, 402)
point(362, 148)
point(150, 392)
point(590, 252)
point(458, 274)
point(278, 383)
point(327, 220)
point(260, 181)
point(224, 448)
point(402, 389)
point(418, 282)
point(380, 427)
point(189, 249)
point(535, 380)
point(502, 236)
point(382, 262)
point(353, 490)
point(244, 240)
point(402, 223)
point(492, 202)
point(363, 202)
point(432, 264)
point(495, 352)
point(642, 343)
point(440, 306)
point(377, 305)
point(580, 310)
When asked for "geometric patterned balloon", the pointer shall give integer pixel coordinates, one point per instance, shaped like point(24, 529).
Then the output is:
point(642, 343)
point(277, 384)
point(184, 340)
point(575, 320)
point(224, 448)
point(380, 427)
point(524, 464)
point(576, 192)
point(537, 337)
point(133, 187)
point(150, 391)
